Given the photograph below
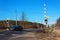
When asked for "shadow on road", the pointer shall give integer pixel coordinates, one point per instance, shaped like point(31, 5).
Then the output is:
point(17, 32)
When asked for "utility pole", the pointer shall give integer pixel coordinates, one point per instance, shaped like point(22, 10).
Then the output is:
point(16, 16)
point(23, 18)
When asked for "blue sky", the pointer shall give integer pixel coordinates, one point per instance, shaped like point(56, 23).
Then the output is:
point(33, 9)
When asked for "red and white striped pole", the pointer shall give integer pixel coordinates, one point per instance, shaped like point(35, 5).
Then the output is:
point(45, 17)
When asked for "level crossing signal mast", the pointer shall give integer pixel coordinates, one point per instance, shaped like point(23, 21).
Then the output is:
point(46, 28)
point(45, 16)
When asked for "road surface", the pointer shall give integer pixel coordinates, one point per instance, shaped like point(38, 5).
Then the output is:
point(27, 34)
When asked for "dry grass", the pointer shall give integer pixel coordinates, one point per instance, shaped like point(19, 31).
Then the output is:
point(55, 35)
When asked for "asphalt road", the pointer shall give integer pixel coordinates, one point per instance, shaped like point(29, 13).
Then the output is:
point(27, 34)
